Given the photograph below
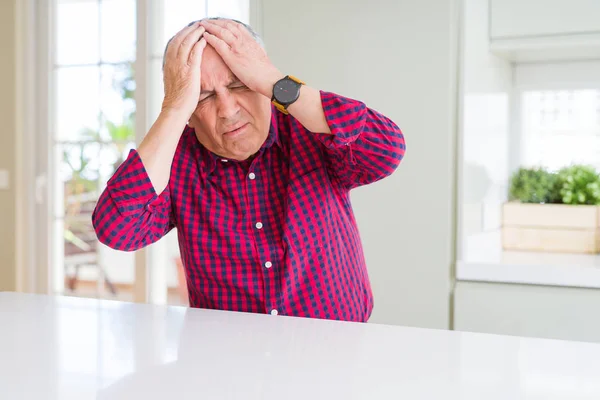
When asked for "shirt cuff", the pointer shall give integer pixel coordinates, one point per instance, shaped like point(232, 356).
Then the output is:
point(345, 118)
point(131, 189)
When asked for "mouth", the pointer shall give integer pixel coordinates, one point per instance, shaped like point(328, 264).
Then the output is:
point(237, 131)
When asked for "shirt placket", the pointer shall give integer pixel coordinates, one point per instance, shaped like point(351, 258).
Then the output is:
point(256, 196)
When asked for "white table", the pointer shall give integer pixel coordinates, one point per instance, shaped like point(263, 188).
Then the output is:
point(69, 348)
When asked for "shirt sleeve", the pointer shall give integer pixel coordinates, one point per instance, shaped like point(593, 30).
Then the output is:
point(129, 214)
point(364, 146)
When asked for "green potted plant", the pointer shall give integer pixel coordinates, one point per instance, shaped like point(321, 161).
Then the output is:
point(553, 211)
point(578, 184)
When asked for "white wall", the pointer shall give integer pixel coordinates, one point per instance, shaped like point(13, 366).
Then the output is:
point(401, 59)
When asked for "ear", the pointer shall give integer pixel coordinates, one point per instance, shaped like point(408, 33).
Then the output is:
point(192, 122)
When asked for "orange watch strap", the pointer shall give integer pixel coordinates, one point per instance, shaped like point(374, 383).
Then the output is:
point(280, 107)
point(296, 79)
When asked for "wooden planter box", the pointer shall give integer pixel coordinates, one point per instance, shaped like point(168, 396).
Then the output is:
point(551, 228)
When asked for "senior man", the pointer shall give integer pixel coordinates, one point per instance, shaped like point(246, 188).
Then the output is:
point(254, 169)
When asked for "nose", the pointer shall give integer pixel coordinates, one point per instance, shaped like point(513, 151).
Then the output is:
point(227, 105)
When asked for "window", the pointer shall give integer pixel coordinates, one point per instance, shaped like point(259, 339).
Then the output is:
point(92, 128)
point(560, 128)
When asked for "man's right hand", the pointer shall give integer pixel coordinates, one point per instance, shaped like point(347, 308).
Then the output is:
point(183, 60)
point(181, 73)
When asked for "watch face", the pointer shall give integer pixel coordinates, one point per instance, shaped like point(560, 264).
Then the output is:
point(286, 91)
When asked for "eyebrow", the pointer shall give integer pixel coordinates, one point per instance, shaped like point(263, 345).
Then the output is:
point(234, 81)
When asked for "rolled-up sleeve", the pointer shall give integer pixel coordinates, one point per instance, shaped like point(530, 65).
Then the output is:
point(364, 146)
point(130, 214)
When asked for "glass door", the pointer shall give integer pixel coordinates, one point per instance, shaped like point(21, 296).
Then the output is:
point(92, 114)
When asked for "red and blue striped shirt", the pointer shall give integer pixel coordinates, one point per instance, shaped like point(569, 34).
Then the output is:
point(272, 234)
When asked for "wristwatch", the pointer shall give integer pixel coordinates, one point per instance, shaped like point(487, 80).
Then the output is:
point(285, 92)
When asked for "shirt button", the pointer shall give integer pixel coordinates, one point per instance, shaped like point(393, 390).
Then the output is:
point(268, 264)
point(252, 176)
point(274, 312)
point(259, 225)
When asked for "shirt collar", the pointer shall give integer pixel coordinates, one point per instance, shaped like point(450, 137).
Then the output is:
point(212, 160)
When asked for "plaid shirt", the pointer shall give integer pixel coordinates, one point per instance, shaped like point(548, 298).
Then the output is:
point(272, 234)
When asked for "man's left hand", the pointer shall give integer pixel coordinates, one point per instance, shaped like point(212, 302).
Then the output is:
point(243, 55)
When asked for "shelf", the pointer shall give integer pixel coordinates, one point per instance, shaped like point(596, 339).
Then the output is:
point(485, 261)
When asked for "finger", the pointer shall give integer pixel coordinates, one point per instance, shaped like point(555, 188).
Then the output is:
point(224, 23)
point(195, 60)
point(189, 42)
point(234, 27)
point(219, 45)
point(173, 44)
point(220, 30)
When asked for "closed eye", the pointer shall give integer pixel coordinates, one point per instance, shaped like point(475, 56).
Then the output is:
point(238, 86)
point(205, 97)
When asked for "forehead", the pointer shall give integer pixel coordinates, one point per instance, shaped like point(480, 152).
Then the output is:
point(215, 72)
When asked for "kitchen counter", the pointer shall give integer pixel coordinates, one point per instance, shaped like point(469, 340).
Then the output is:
point(74, 348)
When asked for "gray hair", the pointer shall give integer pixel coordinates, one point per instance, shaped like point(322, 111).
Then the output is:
point(255, 35)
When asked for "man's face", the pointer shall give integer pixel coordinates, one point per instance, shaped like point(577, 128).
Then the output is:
point(231, 120)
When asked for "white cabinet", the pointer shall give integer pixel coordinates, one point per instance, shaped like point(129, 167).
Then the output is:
point(545, 30)
point(528, 310)
point(528, 18)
